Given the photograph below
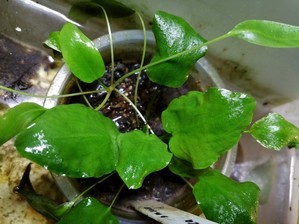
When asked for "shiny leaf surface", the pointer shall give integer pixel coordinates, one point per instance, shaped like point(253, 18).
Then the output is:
point(140, 155)
point(267, 33)
point(274, 132)
point(17, 119)
point(226, 201)
point(89, 211)
point(71, 140)
point(53, 41)
point(80, 54)
point(174, 35)
point(205, 125)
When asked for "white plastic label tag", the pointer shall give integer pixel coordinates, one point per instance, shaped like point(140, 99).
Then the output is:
point(166, 214)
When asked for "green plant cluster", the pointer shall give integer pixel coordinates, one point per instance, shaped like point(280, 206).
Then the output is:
point(77, 141)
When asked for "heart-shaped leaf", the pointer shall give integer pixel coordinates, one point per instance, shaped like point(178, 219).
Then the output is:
point(267, 33)
point(174, 35)
point(205, 125)
point(90, 211)
point(139, 155)
point(80, 54)
point(17, 119)
point(71, 140)
point(226, 201)
point(274, 132)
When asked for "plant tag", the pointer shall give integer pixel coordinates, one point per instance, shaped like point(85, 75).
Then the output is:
point(167, 214)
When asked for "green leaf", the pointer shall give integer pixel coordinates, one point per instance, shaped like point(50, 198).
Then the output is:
point(267, 33)
point(53, 41)
point(174, 35)
point(40, 203)
point(205, 125)
point(85, 10)
point(71, 140)
point(80, 54)
point(17, 119)
point(140, 155)
point(274, 132)
point(226, 201)
point(183, 168)
point(89, 211)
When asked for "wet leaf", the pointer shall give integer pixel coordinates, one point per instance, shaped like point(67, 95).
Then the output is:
point(89, 211)
point(17, 119)
point(205, 125)
point(267, 33)
point(80, 54)
point(71, 140)
point(274, 132)
point(53, 41)
point(226, 201)
point(42, 204)
point(140, 155)
point(174, 35)
point(85, 10)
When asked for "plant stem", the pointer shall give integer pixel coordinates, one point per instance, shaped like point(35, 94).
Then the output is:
point(47, 96)
point(172, 57)
point(85, 98)
point(74, 200)
point(110, 42)
point(116, 196)
point(141, 63)
point(136, 109)
point(188, 182)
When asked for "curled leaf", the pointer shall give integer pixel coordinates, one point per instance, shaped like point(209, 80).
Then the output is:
point(267, 33)
point(174, 35)
point(274, 132)
point(42, 204)
point(205, 125)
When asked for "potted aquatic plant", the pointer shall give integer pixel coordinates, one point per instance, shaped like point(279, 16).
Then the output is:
point(196, 128)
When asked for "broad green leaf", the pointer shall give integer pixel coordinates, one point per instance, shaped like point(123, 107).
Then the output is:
point(71, 140)
point(89, 211)
point(205, 125)
point(139, 155)
point(85, 10)
point(226, 201)
point(18, 118)
point(174, 35)
point(267, 33)
point(53, 41)
point(80, 54)
point(274, 132)
point(40, 203)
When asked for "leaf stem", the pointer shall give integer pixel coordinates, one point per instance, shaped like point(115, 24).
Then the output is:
point(136, 109)
point(78, 197)
point(116, 196)
point(172, 57)
point(47, 96)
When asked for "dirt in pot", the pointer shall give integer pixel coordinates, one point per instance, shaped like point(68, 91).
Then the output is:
point(152, 100)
